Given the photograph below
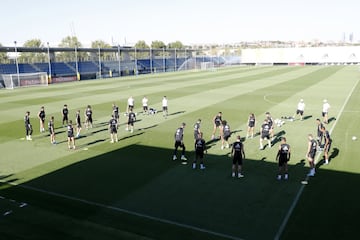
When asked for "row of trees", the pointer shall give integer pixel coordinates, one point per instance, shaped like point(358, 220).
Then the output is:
point(73, 42)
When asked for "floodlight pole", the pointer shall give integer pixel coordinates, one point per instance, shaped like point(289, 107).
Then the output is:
point(175, 60)
point(17, 64)
point(185, 60)
point(164, 59)
point(76, 63)
point(151, 61)
point(136, 68)
point(49, 61)
point(99, 62)
point(119, 60)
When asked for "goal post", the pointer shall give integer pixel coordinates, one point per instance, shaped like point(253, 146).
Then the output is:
point(209, 66)
point(12, 81)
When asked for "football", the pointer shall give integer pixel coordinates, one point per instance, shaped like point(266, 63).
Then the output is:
point(353, 138)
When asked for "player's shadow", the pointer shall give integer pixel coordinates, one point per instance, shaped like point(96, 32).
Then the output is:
point(101, 124)
point(307, 117)
point(94, 142)
point(176, 113)
point(100, 130)
point(131, 136)
point(236, 131)
point(301, 163)
point(5, 176)
point(209, 144)
point(331, 119)
point(145, 128)
point(277, 137)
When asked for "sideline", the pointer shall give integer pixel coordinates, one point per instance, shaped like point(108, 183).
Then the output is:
point(297, 197)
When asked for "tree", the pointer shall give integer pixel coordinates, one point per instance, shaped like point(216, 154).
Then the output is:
point(29, 57)
point(3, 56)
point(71, 42)
point(176, 45)
point(142, 45)
point(158, 45)
point(102, 44)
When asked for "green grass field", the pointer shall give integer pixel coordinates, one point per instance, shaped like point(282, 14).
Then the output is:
point(134, 190)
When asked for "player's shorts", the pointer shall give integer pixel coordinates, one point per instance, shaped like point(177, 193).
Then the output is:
point(113, 130)
point(145, 108)
point(282, 161)
point(179, 144)
point(312, 154)
point(199, 153)
point(251, 124)
point(196, 135)
point(324, 114)
point(116, 115)
point(238, 159)
point(42, 120)
point(217, 124)
point(29, 129)
point(327, 147)
point(265, 135)
point(301, 112)
point(226, 136)
point(165, 108)
point(70, 135)
point(65, 118)
point(78, 125)
point(89, 119)
point(51, 131)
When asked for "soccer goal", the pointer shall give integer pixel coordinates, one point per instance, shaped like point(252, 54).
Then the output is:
point(12, 81)
point(208, 66)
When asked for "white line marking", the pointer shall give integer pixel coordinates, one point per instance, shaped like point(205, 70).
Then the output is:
point(126, 211)
point(297, 197)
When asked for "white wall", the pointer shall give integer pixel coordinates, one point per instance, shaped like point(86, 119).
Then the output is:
point(302, 55)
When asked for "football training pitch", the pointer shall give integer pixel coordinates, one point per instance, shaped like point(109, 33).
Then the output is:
point(133, 189)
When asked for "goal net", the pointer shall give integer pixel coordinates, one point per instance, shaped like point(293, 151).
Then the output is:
point(12, 81)
point(209, 66)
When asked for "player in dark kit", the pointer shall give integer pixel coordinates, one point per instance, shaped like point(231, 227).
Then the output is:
point(225, 134)
point(251, 126)
point(197, 129)
point(28, 127)
point(52, 130)
point(116, 112)
point(319, 137)
point(41, 116)
point(265, 134)
point(78, 123)
point(271, 124)
point(65, 115)
point(238, 154)
point(131, 120)
point(179, 135)
point(113, 126)
point(327, 144)
point(310, 154)
point(283, 156)
point(200, 148)
point(70, 134)
point(88, 117)
point(217, 120)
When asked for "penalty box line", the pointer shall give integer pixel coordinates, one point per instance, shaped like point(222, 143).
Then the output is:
point(122, 210)
point(301, 189)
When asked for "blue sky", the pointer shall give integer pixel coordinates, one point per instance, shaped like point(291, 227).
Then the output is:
point(189, 21)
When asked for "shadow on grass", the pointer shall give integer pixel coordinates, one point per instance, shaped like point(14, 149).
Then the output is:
point(146, 180)
point(331, 119)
